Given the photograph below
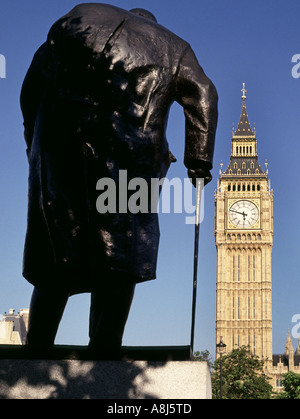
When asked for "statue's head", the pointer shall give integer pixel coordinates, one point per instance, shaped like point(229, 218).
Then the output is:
point(144, 13)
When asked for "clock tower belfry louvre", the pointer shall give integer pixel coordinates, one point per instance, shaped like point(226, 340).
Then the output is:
point(244, 239)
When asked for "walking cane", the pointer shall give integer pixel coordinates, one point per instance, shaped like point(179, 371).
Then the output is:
point(199, 187)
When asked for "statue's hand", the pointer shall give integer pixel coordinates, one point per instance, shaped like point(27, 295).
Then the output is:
point(199, 173)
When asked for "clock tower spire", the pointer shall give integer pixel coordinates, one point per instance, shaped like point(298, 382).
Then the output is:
point(244, 238)
point(244, 159)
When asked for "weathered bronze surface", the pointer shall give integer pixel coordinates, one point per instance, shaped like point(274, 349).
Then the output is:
point(95, 101)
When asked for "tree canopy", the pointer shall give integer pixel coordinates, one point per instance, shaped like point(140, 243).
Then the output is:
point(243, 376)
point(291, 385)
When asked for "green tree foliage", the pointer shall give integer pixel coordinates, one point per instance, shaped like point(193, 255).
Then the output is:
point(203, 356)
point(291, 385)
point(242, 376)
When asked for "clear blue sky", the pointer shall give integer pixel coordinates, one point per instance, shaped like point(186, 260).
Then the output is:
point(235, 42)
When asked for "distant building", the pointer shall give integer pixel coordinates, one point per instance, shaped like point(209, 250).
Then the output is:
point(13, 327)
point(282, 364)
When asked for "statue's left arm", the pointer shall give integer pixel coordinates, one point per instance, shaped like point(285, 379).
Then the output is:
point(198, 96)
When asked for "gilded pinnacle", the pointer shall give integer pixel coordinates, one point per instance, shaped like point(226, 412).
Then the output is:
point(244, 91)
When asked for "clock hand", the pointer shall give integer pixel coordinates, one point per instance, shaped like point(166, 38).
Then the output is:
point(242, 213)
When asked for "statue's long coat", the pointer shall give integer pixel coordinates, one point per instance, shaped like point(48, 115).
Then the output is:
point(95, 101)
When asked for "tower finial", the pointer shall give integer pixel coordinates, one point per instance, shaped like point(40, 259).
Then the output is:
point(244, 91)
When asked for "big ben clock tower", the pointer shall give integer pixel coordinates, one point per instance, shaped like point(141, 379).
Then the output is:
point(244, 238)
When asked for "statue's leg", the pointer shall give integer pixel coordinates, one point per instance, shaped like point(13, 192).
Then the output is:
point(110, 306)
point(46, 310)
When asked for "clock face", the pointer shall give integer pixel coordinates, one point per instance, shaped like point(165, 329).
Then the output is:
point(243, 214)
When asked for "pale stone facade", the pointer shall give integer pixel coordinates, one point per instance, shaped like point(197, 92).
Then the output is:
point(244, 239)
point(13, 327)
point(282, 364)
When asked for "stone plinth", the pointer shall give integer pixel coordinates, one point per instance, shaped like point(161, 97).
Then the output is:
point(103, 379)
